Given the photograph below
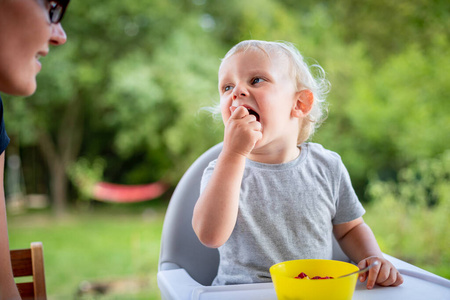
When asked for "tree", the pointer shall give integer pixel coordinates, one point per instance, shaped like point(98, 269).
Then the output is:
point(76, 78)
point(110, 91)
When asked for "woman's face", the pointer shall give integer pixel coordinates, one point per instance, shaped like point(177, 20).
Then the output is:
point(25, 35)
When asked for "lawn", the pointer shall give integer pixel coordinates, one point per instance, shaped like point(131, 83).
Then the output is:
point(107, 248)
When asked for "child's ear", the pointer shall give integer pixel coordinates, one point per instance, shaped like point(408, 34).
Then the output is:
point(303, 103)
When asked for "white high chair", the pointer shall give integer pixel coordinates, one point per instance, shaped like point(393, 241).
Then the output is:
point(187, 268)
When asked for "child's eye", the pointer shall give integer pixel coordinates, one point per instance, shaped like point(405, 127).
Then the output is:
point(257, 80)
point(227, 88)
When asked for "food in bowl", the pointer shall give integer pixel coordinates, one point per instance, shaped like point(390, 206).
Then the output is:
point(302, 275)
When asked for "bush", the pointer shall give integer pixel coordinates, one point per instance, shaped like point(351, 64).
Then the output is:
point(409, 216)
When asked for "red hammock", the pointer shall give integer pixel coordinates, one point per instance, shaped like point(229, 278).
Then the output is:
point(111, 192)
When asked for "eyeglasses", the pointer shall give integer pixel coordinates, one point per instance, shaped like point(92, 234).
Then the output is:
point(57, 10)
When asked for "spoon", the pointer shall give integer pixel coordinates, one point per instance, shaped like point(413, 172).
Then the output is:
point(362, 270)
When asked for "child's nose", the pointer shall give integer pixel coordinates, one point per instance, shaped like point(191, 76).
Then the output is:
point(239, 92)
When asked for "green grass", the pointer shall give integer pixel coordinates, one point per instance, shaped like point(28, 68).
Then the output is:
point(100, 246)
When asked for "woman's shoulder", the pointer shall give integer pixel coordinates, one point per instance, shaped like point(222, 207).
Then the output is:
point(4, 139)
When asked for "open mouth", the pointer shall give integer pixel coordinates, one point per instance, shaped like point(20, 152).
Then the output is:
point(252, 112)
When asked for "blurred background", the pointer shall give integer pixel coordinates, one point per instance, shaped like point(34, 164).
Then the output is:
point(122, 102)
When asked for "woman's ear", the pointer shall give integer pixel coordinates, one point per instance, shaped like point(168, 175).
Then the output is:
point(303, 103)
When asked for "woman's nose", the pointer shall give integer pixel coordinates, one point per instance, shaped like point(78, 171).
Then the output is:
point(58, 36)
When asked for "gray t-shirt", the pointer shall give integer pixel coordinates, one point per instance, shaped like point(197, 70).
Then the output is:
point(286, 211)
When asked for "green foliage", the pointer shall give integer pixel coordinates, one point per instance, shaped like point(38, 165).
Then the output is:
point(388, 27)
point(410, 216)
point(405, 96)
point(138, 73)
point(395, 114)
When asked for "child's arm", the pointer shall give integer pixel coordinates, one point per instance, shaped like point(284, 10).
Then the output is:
point(358, 242)
point(216, 210)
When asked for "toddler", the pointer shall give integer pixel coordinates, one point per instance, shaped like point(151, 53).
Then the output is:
point(271, 196)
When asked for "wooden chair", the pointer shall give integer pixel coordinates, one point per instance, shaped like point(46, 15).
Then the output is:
point(30, 262)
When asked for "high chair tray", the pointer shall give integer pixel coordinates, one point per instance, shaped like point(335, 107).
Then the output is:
point(418, 284)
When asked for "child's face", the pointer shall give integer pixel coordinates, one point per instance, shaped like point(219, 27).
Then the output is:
point(262, 84)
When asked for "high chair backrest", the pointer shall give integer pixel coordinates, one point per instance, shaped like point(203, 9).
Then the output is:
point(30, 262)
point(180, 247)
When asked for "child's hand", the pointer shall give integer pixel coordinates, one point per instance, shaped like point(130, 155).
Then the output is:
point(242, 131)
point(384, 274)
